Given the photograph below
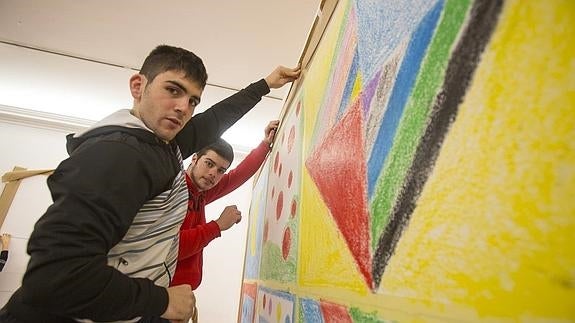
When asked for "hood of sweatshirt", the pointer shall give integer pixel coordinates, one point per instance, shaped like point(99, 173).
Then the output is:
point(119, 121)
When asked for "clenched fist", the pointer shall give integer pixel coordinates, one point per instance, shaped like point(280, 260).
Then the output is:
point(229, 217)
point(181, 304)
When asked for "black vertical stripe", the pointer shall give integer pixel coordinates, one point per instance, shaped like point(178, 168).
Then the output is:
point(466, 56)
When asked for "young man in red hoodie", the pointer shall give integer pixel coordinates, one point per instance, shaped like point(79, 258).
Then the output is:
point(207, 181)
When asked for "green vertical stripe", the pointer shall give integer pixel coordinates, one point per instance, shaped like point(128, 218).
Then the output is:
point(416, 113)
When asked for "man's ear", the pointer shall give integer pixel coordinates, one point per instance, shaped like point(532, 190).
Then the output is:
point(192, 164)
point(194, 158)
point(137, 85)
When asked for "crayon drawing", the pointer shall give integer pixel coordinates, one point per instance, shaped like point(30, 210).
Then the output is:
point(426, 167)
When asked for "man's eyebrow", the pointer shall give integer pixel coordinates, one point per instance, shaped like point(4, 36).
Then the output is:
point(178, 84)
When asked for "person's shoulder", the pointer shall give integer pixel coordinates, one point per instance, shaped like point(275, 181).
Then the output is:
point(126, 135)
point(137, 139)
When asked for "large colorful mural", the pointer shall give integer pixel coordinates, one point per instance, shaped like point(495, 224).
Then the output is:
point(424, 170)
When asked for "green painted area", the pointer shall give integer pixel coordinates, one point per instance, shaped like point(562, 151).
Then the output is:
point(414, 120)
point(358, 316)
point(273, 266)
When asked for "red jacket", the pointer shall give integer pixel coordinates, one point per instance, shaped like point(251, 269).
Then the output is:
point(195, 233)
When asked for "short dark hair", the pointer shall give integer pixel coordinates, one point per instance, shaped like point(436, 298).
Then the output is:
point(169, 58)
point(220, 147)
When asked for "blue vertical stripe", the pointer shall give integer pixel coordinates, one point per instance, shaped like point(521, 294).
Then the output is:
point(352, 76)
point(401, 91)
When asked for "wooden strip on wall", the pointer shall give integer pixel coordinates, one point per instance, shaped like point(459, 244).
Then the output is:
point(7, 196)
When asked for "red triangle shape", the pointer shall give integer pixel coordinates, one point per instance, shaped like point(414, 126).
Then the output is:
point(338, 167)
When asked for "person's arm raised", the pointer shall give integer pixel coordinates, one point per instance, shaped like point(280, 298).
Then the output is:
point(205, 127)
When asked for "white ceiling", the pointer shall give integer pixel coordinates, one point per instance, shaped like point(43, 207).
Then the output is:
point(74, 58)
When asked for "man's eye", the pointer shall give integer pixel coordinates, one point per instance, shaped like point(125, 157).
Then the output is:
point(194, 102)
point(221, 171)
point(173, 91)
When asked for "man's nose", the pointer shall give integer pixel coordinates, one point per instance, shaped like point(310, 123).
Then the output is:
point(184, 107)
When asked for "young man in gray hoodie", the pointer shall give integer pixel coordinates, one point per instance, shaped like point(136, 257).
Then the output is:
point(107, 247)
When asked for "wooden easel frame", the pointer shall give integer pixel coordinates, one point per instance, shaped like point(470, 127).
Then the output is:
point(12, 180)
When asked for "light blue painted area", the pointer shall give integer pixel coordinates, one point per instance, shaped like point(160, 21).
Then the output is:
point(394, 19)
point(404, 82)
point(278, 293)
point(348, 87)
point(247, 309)
point(252, 262)
point(311, 311)
point(263, 320)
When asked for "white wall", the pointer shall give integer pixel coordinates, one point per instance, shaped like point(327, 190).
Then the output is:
point(41, 148)
point(48, 83)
